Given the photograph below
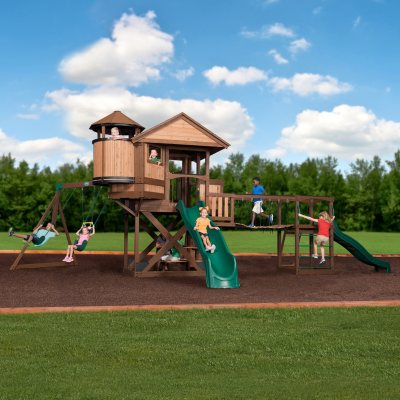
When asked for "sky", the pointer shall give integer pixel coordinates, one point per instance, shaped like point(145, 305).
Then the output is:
point(285, 79)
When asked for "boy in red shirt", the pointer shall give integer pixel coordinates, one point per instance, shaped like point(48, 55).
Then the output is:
point(324, 224)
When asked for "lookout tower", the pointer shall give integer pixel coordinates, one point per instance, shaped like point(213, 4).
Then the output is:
point(113, 160)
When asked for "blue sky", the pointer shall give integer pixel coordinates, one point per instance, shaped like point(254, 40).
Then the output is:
point(286, 79)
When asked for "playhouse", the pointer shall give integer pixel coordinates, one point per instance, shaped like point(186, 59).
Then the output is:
point(165, 170)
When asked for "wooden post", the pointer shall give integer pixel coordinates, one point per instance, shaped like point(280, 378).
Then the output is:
point(331, 239)
point(166, 176)
point(279, 233)
point(188, 185)
point(126, 233)
point(198, 169)
point(296, 238)
point(55, 207)
point(311, 237)
point(207, 181)
point(137, 233)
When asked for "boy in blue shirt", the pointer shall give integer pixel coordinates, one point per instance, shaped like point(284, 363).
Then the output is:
point(257, 202)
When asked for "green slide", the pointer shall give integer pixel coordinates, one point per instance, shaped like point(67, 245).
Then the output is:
point(357, 250)
point(221, 269)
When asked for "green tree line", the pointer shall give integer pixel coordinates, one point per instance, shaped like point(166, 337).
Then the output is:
point(367, 198)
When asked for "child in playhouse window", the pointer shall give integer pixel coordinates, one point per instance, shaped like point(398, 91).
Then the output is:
point(154, 157)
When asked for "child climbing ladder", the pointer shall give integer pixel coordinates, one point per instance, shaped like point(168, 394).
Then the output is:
point(325, 223)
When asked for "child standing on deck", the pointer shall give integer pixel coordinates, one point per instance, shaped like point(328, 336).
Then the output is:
point(84, 234)
point(324, 224)
point(257, 202)
point(202, 223)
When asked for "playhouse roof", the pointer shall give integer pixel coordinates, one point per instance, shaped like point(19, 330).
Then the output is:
point(116, 118)
point(182, 130)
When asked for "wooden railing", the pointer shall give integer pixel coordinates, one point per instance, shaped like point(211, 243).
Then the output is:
point(222, 208)
point(222, 205)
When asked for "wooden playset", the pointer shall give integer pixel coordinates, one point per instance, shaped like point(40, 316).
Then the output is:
point(149, 171)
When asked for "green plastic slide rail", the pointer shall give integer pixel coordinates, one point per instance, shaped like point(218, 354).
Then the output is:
point(220, 266)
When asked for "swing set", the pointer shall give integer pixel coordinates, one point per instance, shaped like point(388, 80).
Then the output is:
point(56, 209)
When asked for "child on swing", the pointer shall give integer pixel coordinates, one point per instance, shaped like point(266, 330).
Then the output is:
point(84, 234)
point(324, 224)
point(39, 236)
point(202, 223)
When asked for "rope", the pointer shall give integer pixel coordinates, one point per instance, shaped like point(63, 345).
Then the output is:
point(82, 211)
point(93, 205)
point(101, 212)
point(68, 198)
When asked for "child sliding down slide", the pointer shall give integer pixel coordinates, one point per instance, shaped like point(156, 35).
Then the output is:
point(202, 223)
point(324, 224)
point(84, 234)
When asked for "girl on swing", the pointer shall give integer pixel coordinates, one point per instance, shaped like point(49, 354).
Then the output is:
point(84, 234)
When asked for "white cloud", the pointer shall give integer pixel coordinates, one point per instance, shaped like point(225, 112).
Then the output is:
point(307, 84)
point(239, 76)
point(51, 151)
point(279, 29)
point(299, 45)
point(28, 116)
point(278, 58)
point(357, 22)
point(267, 31)
point(183, 74)
point(132, 56)
point(347, 133)
point(228, 119)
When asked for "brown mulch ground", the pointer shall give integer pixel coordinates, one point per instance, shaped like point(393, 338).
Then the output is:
point(99, 281)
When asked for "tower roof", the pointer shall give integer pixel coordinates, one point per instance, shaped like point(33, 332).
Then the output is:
point(116, 118)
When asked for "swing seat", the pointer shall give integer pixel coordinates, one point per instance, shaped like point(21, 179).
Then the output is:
point(82, 246)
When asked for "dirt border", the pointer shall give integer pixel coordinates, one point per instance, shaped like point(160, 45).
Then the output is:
point(296, 305)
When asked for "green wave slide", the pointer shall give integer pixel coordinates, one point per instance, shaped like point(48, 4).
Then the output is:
point(221, 268)
point(357, 250)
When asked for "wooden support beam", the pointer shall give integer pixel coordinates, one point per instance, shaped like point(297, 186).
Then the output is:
point(76, 185)
point(126, 237)
point(40, 223)
point(167, 187)
point(43, 265)
point(331, 239)
point(172, 241)
point(65, 227)
point(296, 237)
point(56, 208)
point(136, 241)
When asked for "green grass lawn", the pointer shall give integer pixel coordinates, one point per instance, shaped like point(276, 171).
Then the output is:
point(211, 354)
point(238, 241)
